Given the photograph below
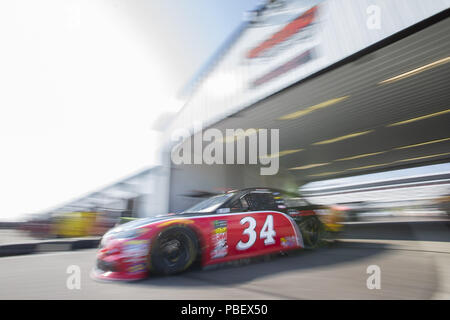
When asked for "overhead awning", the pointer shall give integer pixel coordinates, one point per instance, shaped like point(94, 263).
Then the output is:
point(385, 109)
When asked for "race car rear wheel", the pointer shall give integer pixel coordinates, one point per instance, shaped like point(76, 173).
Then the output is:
point(174, 251)
point(312, 230)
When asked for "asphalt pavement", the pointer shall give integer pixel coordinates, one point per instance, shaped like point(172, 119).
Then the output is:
point(414, 261)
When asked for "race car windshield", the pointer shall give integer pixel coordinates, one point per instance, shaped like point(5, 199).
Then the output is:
point(210, 205)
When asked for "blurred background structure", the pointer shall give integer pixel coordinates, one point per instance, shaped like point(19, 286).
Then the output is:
point(348, 98)
point(94, 95)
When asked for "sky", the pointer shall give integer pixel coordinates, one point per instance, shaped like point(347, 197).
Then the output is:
point(83, 83)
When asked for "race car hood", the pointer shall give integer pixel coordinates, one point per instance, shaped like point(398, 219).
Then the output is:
point(135, 224)
point(146, 221)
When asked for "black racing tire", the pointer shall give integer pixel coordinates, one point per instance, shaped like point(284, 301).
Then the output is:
point(174, 251)
point(312, 230)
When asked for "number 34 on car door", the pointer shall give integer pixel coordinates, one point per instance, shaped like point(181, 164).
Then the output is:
point(261, 232)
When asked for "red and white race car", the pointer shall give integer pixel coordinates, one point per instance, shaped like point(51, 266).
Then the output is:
point(235, 225)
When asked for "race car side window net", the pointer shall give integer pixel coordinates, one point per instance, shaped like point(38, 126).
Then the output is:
point(244, 204)
point(260, 201)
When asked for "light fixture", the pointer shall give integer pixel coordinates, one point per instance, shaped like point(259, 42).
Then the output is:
point(427, 116)
point(422, 144)
point(370, 166)
point(399, 161)
point(281, 153)
point(416, 71)
point(348, 136)
point(424, 157)
point(309, 166)
point(313, 108)
point(360, 156)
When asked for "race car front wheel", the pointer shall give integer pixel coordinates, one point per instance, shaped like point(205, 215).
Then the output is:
point(174, 251)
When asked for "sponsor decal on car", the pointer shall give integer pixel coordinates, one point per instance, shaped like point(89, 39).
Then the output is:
point(279, 201)
point(178, 221)
point(288, 242)
point(136, 248)
point(137, 267)
point(219, 239)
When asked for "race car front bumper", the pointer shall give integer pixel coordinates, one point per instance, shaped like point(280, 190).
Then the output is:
point(122, 260)
point(98, 274)
point(108, 268)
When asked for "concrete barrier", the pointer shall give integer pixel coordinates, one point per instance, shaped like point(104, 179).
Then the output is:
point(15, 249)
